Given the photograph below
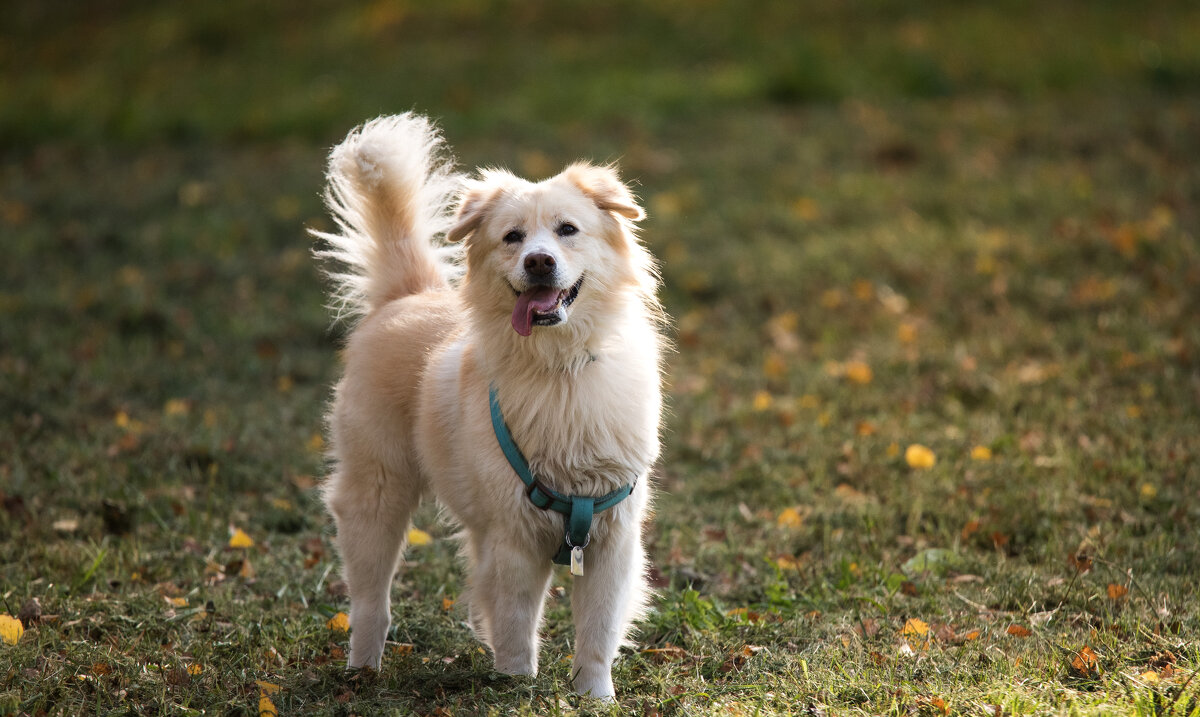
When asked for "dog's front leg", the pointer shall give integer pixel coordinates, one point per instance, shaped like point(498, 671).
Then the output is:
point(507, 595)
point(605, 600)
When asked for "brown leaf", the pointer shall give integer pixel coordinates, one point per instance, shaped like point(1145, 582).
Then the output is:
point(909, 588)
point(1086, 662)
point(1116, 592)
point(667, 653)
point(30, 612)
point(1018, 631)
point(1082, 562)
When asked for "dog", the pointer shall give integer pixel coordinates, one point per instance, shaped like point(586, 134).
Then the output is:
point(486, 306)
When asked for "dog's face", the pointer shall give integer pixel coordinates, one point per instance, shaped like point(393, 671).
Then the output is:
point(544, 251)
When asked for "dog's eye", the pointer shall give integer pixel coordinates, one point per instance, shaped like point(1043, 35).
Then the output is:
point(513, 237)
point(566, 229)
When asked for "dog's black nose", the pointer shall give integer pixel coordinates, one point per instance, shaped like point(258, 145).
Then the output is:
point(539, 264)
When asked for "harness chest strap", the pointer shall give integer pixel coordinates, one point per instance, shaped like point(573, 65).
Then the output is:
point(577, 510)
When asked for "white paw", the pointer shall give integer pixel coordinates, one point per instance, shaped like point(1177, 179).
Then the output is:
point(516, 666)
point(594, 683)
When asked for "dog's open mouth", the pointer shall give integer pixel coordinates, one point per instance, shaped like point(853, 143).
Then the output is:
point(542, 306)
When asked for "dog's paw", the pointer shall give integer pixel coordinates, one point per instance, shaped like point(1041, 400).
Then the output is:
point(597, 684)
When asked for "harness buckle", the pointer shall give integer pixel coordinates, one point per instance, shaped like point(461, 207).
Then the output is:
point(537, 485)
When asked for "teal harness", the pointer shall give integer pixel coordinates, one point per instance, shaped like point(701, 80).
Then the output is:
point(577, 510)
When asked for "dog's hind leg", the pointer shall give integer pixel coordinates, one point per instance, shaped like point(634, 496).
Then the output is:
point(372, 510)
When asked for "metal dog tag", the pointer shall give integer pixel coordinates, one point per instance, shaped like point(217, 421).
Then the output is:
point(577, 560)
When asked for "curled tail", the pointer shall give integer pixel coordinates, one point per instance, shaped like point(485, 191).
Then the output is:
point(389, 190)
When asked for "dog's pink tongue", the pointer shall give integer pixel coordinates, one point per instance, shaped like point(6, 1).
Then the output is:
point(543, 299)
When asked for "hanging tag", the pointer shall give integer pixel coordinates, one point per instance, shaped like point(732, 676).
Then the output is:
point(577, 560)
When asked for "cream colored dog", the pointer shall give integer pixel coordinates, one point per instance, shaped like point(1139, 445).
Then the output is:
point(556, 312)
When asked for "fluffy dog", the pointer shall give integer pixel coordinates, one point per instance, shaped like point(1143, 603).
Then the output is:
point(540, 298)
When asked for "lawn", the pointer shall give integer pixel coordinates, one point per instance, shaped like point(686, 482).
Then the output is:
point(933, 439)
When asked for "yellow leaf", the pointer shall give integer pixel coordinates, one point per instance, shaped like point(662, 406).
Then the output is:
point(178, 601)
point(284, 384)
point(404, 648)
point(981, 453)
point(893, 450)
point(339, 622)
point(920, 457)
point(121, 419)
point(790, 518)
point(858, 372)
point(972, 635)
point(11, 629)
point(1116, 592)
point(1148, 490)
point(266, 708)
point(194, 669)
point(267, 688)
point(1150, 677)
point(416, 536)
point(787, 562)
point(239, 539)
point(447, 603)
point(913, 626)
point(176, 407)
point(762, 401)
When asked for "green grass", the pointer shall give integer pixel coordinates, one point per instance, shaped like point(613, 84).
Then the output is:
point(993, 207)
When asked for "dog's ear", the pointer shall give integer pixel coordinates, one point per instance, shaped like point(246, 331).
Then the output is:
point(604, 187)
point(473, 204)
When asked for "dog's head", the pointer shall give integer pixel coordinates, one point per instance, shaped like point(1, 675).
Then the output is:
point(545, 250)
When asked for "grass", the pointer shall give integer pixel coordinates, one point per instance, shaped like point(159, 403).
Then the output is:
point(953, 225)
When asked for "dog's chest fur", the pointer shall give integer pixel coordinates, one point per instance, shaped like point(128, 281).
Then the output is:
point(588, 433)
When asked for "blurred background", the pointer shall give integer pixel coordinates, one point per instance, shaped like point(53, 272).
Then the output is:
point(967, 227)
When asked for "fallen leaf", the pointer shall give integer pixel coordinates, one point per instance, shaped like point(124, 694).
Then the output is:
point(1080, 561)
point(667, 653)
point(1018, 631)
point(416, 536)
point(266, 708)
point(339, 622)
point(1116, 592)
point(981, 453)
point(267, 688)
point(194, 669)
point(447, 603)
point(972, 635)
point(858, 372)
point(762, 401)
point(404, 648)
point(1086, 661)
point(919, 457)
point(913, 626)
point(789, 518)
point(787, 562)
point(239, 539)
point(11, 629)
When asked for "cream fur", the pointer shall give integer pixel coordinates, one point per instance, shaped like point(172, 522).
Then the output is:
point(410, 416)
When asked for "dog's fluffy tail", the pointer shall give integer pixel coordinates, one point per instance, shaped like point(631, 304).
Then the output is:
point(390, 185)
